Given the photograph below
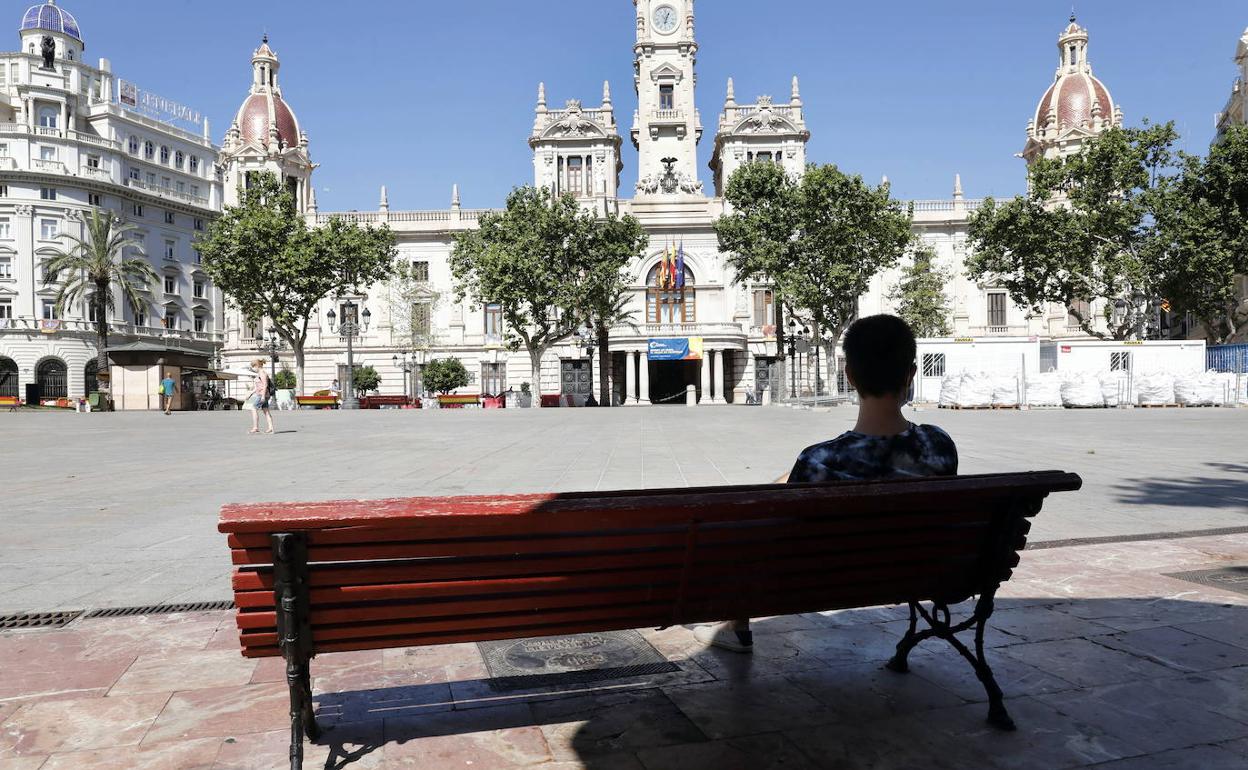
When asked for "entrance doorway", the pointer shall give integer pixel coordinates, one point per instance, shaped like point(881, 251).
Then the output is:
point(670, 379)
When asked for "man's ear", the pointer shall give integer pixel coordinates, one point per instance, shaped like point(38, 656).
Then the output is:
point(914, 371)
point(849, 377)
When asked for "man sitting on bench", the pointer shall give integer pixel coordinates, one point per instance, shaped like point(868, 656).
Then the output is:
point(879, 363)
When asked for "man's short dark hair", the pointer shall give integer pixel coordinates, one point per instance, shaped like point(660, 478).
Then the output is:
point(880, 350)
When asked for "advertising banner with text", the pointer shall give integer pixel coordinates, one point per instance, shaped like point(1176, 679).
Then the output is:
point(680, 349)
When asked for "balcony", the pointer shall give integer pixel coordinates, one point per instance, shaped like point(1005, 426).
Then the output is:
point(668, 116)
point(97, 141)
point(96, 173)
point(167, 192)
point(48, 131)
point(8, 164)
point(48, 166)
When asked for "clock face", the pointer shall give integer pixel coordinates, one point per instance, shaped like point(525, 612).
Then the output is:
point(665, 19)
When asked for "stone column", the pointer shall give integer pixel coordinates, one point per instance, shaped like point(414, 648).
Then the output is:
point(706, 378)
point(720, 385)
point(643, 395)
point(630, 394)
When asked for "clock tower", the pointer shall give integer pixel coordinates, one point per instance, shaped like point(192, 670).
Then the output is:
point(667, 127)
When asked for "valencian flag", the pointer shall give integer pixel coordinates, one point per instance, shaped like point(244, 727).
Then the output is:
point(662, 274)
point(680, 266)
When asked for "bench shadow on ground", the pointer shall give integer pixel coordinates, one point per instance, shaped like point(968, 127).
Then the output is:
point(1191, 491)
point(1087, 681)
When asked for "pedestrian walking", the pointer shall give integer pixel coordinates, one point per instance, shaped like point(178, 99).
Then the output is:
point(261, 396)
point(168, 387)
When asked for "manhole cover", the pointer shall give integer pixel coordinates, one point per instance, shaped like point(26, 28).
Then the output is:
point(1226, 578)
point(576, 659)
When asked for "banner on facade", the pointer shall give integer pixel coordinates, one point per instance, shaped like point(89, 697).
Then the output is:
point(49, 325)
point(679, 349)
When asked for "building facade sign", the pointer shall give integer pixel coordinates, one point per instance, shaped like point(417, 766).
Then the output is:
point(681, 349)
point(156, 106)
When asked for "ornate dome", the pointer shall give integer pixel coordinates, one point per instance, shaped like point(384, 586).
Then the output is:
point(52, 18)
point(261, 111)
point(1076, 99)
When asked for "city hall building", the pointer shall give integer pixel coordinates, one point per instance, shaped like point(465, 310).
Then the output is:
point(707, 330)
point(75, 136)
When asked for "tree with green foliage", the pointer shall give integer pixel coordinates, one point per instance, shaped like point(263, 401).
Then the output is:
point(605, 291)
point(920, 295)
point(1204, 229)
point(444, 375)
point(534, 260)
point(819, 239)
point(270, 264)
point(1086, 230)
point(95, 268)
point(285, 379)
point(756, 236)
point(366, 379)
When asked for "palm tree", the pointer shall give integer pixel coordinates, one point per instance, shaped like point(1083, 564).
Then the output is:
point(94, 268)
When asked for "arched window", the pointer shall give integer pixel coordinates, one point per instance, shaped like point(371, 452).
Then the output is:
point(8, 377)
point(670, 298)
point(134, 145)
point(179, 159)
point(90, 378)
point(164, 154)
point(149, 149)
point(194, 164)
point(48, 117)
point(51, 376)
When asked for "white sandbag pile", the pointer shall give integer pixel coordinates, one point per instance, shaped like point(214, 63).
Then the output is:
point(1156, 389)
point(1204, 389)
point(1112, 387)
point(950, 387)
point(1044, 389)
point(1004, 390)
point(1082, 390)
point(975, 391)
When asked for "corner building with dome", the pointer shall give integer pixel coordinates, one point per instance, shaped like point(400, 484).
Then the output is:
point(576, 150)
point(75, 136)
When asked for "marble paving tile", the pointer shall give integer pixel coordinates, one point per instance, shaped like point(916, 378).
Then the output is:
point(7, 709)
point(190, 670)
point(1177, 649)
point(272, 670)
point(48, 727)
point(1232, 629)
point(442, 663)
point(895, 744)
point(1084, 663)
point(1131, 614)
point(222, 711)
point(1225, 692)
point(361, 705)
point(60, 664)
point(356, 746)
point(1195, 758)
point(578, 728)
point(758, 752)
point(1043, 624)
point(25, 763)
point(773, 655)
point(477, 693)
point(1146, 715)
point(867, 692)
point(602, 762)
point(850, 645)
point(955, 674)
point(504, 737)
point(180, 755)
point(750, 707)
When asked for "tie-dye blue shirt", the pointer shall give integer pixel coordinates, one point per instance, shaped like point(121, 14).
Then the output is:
point(922, 450)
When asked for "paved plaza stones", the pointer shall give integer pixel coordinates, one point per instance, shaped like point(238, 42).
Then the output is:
point(1107, 655)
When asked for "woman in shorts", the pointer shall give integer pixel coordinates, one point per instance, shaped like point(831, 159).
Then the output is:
point(260, 397)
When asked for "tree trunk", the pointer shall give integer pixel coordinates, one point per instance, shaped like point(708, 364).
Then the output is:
point(781, 357)
point(834, 388)
point(535, 372)
point(102, 373)
point(605, 397)
point(299, 361)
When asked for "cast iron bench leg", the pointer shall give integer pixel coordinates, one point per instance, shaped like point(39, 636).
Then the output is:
point(290, 592)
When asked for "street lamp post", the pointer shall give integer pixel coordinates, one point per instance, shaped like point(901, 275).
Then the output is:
point(589, 342)
point(792, 359)
point(273, 346)
point(408, 365)
point(349, 329)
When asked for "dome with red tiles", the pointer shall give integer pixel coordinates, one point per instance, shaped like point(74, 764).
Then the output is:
point(1076, 99)
point(262, 111)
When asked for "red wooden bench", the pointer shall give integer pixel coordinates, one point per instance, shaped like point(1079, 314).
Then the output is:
point(453, 401)
point(338, 576)
point(377, 402)
point(317, 402)
point(12, 402)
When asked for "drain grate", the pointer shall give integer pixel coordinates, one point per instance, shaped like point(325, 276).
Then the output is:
point(159, 609)
point(37, 620)
point(1226, 578)
point(571, 660)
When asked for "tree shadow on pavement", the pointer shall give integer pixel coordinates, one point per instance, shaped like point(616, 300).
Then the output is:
point(1190, 492)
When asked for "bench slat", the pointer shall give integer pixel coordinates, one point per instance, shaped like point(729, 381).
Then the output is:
point(570, 512)
point(671, 537)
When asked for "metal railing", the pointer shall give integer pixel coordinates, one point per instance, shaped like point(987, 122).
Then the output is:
point(926, 206)
point(95, 172)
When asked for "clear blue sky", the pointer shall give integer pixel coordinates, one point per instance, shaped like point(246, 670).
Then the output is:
point(417, 95)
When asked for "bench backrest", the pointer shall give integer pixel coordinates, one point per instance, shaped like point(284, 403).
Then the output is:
point(424, 571)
